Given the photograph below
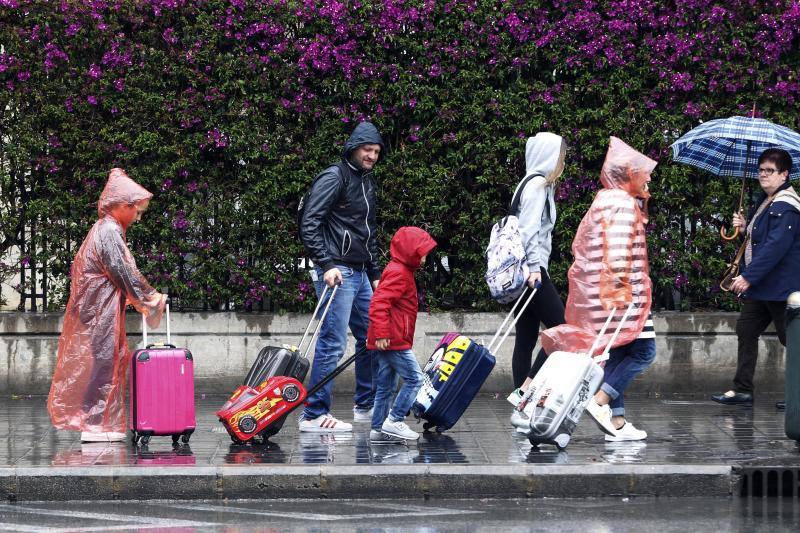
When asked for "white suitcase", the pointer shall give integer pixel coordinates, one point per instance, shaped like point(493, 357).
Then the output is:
point(558, 394)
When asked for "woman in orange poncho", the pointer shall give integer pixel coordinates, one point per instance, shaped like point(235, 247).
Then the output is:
point(88, 389)
point(611, 272)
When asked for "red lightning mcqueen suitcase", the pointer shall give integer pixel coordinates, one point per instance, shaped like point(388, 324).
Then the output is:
point(262, 409)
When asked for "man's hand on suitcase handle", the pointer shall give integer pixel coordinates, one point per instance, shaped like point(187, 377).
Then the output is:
point(333, 277)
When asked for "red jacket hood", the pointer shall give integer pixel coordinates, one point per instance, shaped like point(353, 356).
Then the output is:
point(410, 244)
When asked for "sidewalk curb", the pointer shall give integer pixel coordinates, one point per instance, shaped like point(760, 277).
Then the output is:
point(369, 481)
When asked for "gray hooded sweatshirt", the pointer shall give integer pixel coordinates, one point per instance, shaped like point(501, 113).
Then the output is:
point(537, 208)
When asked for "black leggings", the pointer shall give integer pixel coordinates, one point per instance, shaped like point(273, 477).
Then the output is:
point(546, 307)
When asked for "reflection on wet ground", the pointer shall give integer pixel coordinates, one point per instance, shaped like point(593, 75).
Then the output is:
point(681, 431)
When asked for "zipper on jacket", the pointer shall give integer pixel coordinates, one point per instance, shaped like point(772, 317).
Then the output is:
point(366, 218)
point(345, 237)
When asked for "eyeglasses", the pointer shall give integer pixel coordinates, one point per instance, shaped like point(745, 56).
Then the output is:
point(768, 171)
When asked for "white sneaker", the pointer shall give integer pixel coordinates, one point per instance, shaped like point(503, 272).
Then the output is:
point(399, 429)
point(601, 415)
point(114, 436)
point(362, 415)
point(627, 432)
point(520, 421)
point(92, 436)
point(325, 424)
point(515, 397)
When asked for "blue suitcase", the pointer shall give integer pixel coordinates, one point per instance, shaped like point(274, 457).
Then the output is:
point(453, 376)
point(456, 370)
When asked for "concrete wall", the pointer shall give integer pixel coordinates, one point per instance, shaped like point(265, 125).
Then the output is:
point(696, 351)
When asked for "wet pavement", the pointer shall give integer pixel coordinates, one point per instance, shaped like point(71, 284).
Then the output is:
point(635, 515)
point(682, 430)
point(686, 435)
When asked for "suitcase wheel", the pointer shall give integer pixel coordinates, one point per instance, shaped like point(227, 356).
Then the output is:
point(236, 440)
point(290, 393)
point(145, 440)
point(248, 424)
point(427, 426)
point(185, 438)
point(175, 439)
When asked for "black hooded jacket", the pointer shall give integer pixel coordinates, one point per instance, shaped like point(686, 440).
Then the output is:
point(338, 227)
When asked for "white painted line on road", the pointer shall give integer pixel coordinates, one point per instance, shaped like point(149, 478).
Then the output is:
point(8, 526)
point(414, 508)
point(122, 527)
point(103, 516)
point(410, 511)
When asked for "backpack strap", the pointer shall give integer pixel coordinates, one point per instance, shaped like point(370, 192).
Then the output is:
point(344, 176)
point(517, 198)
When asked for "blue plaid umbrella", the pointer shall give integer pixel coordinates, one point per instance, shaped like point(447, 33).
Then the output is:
point(731, 146)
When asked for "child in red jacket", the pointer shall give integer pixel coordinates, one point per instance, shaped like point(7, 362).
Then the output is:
point(392, 318)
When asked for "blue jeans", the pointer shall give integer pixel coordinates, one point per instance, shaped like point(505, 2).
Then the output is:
point(391, 365)
point(349, 308)
point(625, 363)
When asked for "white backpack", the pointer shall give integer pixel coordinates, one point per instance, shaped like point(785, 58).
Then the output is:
point(506, 262)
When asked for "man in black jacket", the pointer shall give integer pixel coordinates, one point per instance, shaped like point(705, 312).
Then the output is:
point(337, 228)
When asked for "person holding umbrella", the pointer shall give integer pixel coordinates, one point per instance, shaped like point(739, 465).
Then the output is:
point(772, 261)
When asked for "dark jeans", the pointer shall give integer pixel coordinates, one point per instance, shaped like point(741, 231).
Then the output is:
point(350, 309)
point(546, 307)
point(625, 363)
point(756, 315)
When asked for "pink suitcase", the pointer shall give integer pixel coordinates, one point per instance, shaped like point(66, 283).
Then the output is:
point(161, 390)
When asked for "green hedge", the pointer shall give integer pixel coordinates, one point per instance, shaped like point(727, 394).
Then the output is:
point(227, 109)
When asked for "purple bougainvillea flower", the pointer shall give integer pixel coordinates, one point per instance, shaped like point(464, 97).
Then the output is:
point(95, 72)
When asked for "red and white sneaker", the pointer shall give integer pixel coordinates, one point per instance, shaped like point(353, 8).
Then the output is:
point(325, 424)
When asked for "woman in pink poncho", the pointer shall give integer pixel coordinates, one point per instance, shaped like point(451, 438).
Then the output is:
point(610, 272)
point(88, 389)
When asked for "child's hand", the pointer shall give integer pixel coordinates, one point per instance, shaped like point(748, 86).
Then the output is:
point(382, 344)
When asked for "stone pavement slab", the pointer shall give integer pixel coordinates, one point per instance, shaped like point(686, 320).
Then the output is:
point(695, 447)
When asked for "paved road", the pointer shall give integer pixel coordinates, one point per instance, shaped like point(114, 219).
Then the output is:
point(661, 515)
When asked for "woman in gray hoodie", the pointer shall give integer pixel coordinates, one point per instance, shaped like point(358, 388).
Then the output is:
point(544, 161)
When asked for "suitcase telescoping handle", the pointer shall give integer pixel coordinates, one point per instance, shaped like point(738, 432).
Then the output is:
point(144, 331)
point(604, 355)
point(496, 345)
point(321, 319)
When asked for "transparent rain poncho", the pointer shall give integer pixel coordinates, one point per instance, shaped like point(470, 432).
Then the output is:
point(610, 269)
point(88, 388)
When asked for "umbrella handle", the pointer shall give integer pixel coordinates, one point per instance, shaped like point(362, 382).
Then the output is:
point(725, 237)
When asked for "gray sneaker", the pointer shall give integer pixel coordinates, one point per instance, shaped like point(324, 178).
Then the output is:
point(399, 429)
point(379, 437)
